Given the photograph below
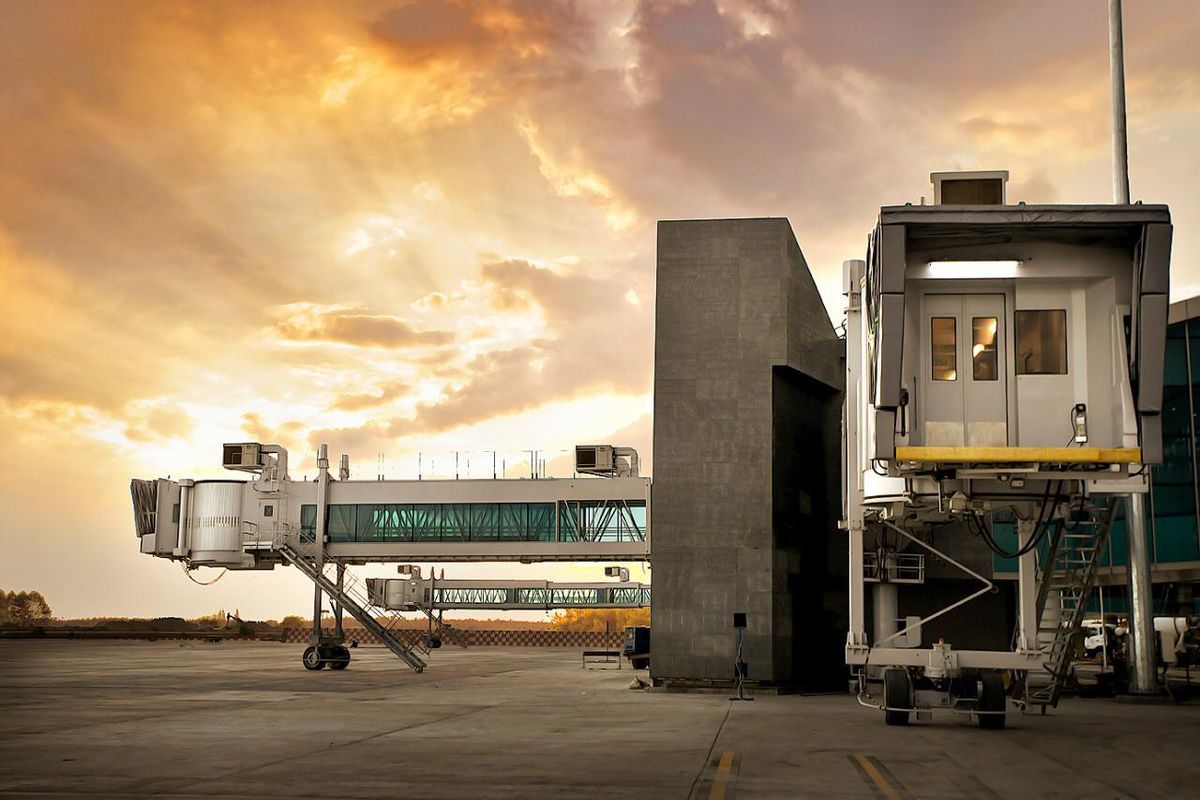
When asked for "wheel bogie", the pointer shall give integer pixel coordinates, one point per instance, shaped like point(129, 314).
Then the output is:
point(897, 696)
point(334, 656)
point(312, 659)
point(340, 657)
point(982, 695)
point(992, 702)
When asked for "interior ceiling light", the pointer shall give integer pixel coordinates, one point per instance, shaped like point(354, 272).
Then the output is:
point(973, 269)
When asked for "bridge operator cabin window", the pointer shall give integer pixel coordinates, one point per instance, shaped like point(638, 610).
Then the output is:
point(983, 349)
point(1042, 342)
point(945, 349)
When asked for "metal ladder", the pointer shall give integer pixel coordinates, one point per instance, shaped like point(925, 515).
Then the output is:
point(1068, 577)
point(354, 599)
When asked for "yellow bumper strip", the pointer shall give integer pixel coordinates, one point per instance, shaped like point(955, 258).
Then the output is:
point(1021, 455)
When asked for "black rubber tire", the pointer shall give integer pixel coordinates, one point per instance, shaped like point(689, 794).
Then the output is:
point(991, 698)
point(435, 642)
point(896, 695)
point(641, 663)
point(341, 658)
point(312, 659)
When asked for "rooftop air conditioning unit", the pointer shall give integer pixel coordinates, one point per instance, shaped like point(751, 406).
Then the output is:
point(595, 459)
point(242, 455)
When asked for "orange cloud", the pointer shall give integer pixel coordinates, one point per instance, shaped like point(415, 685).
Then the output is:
point(413, 224)
point(308, 322)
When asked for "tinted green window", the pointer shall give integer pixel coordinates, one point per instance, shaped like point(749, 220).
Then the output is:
point(456, 522)
point(341, 526)
point(308, 523)
point(484, 521)
point(512, 521)
point(1173, 483)
point(541, 522)
point(638, 512)
point(384, 523)
point(427, 522)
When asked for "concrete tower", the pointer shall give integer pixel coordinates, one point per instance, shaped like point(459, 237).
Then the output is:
point(748, 382)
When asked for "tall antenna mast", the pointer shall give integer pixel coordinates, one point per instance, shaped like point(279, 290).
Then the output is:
point(1116, 68)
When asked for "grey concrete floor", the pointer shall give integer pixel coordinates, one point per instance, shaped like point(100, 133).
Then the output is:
point(138, 719)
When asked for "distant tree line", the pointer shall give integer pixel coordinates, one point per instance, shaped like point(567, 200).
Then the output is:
point(611, 620)
point(23, 608)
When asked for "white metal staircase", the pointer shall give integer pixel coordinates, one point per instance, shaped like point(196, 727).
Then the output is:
point(353, 597)
point(1068, 575)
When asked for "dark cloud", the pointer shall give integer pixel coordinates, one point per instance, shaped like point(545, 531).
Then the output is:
point(475, 31)
point(426, 29)
point(350, 326)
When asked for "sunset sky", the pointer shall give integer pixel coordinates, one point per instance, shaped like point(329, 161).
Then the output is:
point(403, 227)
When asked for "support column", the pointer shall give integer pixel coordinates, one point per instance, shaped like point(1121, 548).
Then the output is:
point(852, 490)
point(319, 533)
point(1027, 588)
point(337, 608)
point(887, 611)
point(1143, 667)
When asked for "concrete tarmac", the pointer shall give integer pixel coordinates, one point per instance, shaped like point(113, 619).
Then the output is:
point(170, 719)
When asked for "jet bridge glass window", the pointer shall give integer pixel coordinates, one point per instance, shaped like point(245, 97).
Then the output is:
point(308, 523)
point(944, 343)
point(342, 523)
point(478, 522)
point(383, 523)
point(1042, 342)
point(984, 366)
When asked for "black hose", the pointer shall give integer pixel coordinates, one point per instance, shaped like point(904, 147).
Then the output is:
point(1041, 527)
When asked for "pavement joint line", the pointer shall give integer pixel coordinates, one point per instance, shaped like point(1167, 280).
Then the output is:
point(331, 746)
point(723, 776)
point(967, 781)
point(873, 772)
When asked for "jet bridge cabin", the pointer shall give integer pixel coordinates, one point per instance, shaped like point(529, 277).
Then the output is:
point(995, 355)
point(1010, 333)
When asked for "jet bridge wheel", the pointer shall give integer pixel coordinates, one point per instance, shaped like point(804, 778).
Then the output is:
point(897, 696)
point(991, 698)
point(312, 658)
point(340, 659)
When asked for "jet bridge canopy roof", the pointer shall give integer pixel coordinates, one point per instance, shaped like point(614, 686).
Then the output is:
point(928, 233)
point(1075, 224)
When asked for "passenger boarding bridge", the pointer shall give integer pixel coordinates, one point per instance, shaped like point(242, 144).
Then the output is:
point(413, 592)
point(323, 526)
point(1004, 368)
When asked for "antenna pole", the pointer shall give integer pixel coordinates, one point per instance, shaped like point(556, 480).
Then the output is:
point(1116, 68)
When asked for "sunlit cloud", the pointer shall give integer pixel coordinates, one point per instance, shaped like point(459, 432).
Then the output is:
point(421, 226)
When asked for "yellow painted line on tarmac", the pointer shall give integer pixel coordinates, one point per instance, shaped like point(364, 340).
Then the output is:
point(872, 772)
point(723, 774)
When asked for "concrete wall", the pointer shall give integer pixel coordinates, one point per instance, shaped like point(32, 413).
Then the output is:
point(748, 373)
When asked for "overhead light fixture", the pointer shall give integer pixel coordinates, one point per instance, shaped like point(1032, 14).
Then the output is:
point(973, 269)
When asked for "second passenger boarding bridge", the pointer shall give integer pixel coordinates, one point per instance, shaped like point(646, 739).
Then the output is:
point(322, 527)
point(414, 593)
